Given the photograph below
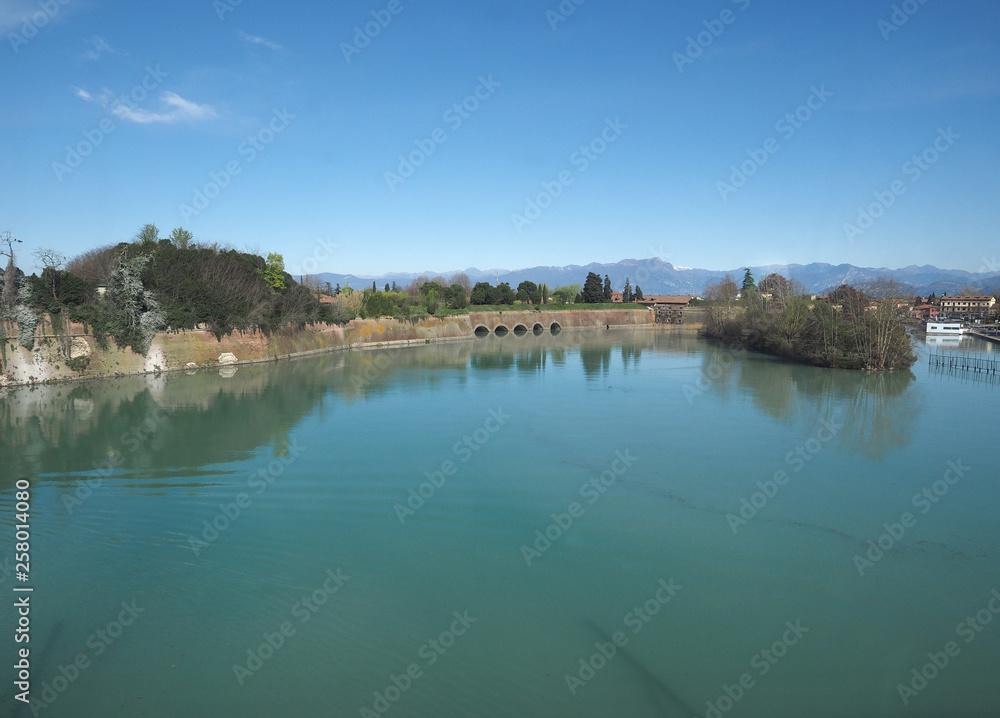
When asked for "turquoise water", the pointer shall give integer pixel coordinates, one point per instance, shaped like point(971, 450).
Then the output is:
point(632, 450)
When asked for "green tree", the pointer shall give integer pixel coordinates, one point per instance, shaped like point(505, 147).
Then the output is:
point(378, 304)
point(181, 238)
point(748, 283)
point(592, 292)
point(148, 235)
point(483, 293)
point(543, 290)
point(505, 295)
point(386, 286)
point(637, 297)
point(607, 294)
point(566, 294)
point(456, 296)
point(527, 291)
point(627, 292)
point(274, 272)
point(431, 290)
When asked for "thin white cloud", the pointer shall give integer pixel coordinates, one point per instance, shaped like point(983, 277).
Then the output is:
point(176, 109)
point(99, 46)
point(256, 40)
point(188, 110)
point(142, 117)
point(181, 111)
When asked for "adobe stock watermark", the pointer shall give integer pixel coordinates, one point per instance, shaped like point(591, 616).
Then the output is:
point(636, 620)
point(464, 449)
point(968, 630)
point(900, 15)
point(430, 651)
point(455, 116)
point(303, 609)
point(913, 169)
point(228, 514)
point(591, 490)
point(923, 500)
point(363, 35)
point(787, 126)
point(249, 150)
point(763, 661)
point(310, 265)
point(132, 440)
point(697, 44)
point(224, 7)
point(562, 13)
point(94, 137)
point(47, 10)
point(581, 159)
point(796, 459)
point(98, 642)
point(989, 265)
point(374, 369)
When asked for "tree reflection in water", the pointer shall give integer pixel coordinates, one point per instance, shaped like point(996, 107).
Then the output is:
point(878, 410)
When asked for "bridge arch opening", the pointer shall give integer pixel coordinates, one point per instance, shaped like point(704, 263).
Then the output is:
point(555, 328)
point(520, 330)
point(537, 329)
point(501, 330)
point(482, 331)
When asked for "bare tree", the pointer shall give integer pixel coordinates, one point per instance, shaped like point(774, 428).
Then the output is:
point(723, 295)
point(95, 265)
point(880, 335)
point(413, 289)
point(9, 294)
point(463, 279)
point(313, 283)
point(725, 290)
point(51, 261)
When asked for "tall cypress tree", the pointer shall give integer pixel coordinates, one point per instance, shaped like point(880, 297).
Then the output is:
point(592, 292)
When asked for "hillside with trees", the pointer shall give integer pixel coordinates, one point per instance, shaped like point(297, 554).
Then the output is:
point(131, 290)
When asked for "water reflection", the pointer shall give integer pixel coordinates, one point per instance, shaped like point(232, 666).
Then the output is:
point(134, 424)
point(596, 361)
point(878, 410)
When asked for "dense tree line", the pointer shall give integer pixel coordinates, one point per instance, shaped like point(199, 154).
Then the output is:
point(853, 329)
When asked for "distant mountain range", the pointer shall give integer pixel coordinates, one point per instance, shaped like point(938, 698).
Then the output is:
point(655, 276)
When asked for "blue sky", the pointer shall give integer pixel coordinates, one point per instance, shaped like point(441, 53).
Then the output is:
point(608, 132)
